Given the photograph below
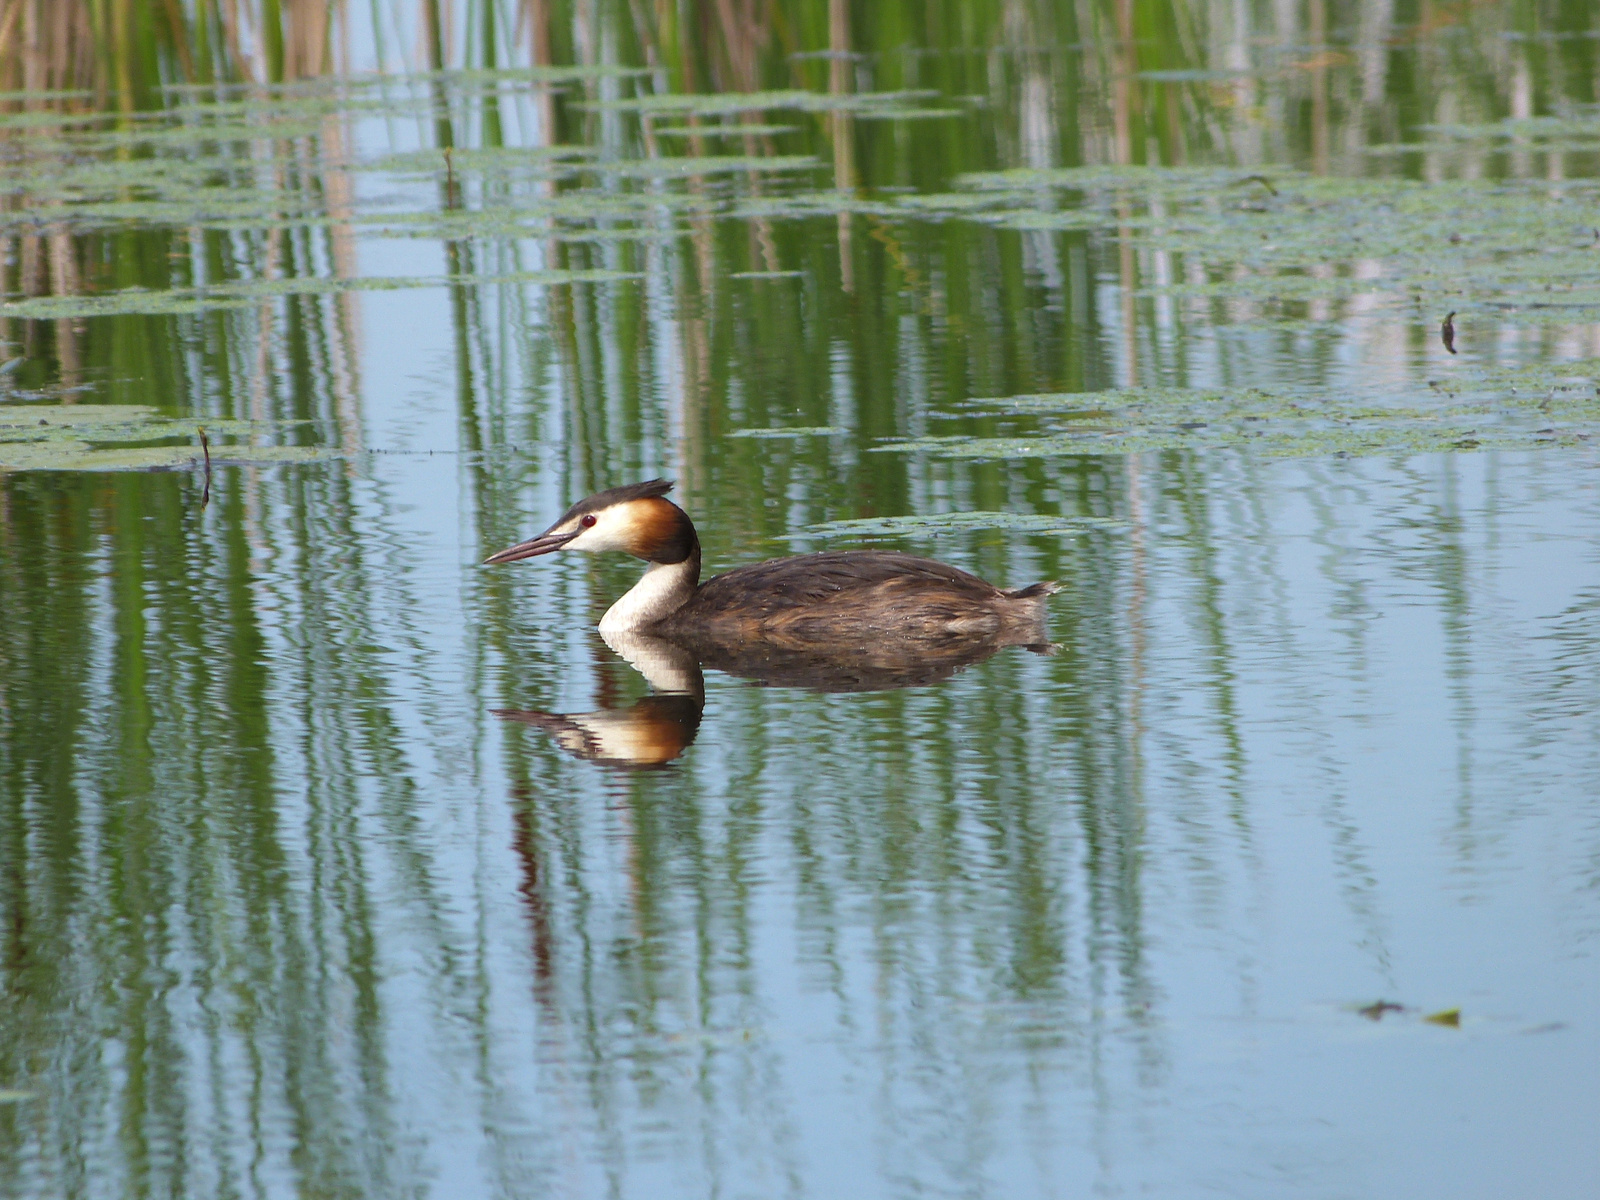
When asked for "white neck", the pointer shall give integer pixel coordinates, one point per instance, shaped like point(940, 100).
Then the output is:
point(665, 588)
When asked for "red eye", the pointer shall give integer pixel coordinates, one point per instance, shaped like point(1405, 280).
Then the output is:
point(588, 520)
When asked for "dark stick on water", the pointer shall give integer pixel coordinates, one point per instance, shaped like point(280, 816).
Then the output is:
point(1447, 333)
point(205, 448)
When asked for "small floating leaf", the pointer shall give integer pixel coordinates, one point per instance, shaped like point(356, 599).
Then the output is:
point(1445, 1016)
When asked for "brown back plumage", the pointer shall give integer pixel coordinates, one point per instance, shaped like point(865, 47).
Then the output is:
point(811, 579)
point(856, 594)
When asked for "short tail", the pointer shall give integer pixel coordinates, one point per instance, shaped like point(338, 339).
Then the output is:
point(1036, 591)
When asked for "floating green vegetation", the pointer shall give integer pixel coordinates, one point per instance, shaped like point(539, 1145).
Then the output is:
point(50, 95)
point(794, 432)
point(1542, 129)
point(955, 522)
point(132, 437)
point(43, 179)
point(727, 103)
point(499, 160)
point(210, 210)
point(565, 162)
point(101, 423)
point(261, 102)
point(80, 456)
point(711, 131)
point(1196, 75)
point(1287, 249)
point(624, 233)
point(243, 127)
point(180, 301)
point(1069, 219)
point(341, 91)
point(63, 185)
point(703, 164)
point(15, 1095)
point(1102, 180)
point(955, 204)
point(1510, 408)
point(52, 118)
point(822, 202)
point(1526, 247)
point(908, 114)
point(541, 75)
point(532, 216)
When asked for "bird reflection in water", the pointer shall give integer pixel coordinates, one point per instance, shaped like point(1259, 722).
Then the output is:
point(845, 621)
point(650, 732)
point(657, 729)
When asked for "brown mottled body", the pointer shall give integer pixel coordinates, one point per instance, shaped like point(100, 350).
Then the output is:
point(856, 594)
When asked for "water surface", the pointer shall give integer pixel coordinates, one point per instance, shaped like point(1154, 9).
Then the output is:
point(1279, 876)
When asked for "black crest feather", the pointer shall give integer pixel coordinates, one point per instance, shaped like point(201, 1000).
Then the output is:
point(649, 490)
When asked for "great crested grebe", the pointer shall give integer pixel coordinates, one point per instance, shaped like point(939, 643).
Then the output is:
point(848, 596)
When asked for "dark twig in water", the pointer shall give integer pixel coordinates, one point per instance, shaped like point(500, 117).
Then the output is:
point(1375, 1012)
point(1262, 180)
point(205, 448)
point(1447, 333)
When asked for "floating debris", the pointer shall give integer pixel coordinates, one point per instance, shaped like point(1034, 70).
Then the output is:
point(205, 446)
point(1377, 1010)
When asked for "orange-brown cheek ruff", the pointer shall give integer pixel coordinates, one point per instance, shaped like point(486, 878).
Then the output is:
point(659, 532)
